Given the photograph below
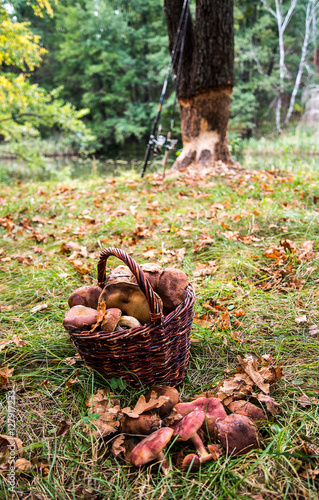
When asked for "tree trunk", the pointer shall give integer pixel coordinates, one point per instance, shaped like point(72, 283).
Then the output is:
point(206, 81)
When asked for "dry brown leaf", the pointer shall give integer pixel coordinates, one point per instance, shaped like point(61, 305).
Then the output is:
point(223, 321)
point(301, 319)
point(204, 320)
point(239, 312)
point(306, 252)
point(8, 443)
point(102, 401)
point(250, 366)
point(180, 254)
point(79, 266)
point(22, 465)
point(14, 340)
point(269, 402)
point(63, 428)
point(4, 343)
point(38, 308)
point(205, 269)
point(142, 406)
point(107, 423)
point(5, 374)
point(122, 447)
point(73, 359)
point(314, 331)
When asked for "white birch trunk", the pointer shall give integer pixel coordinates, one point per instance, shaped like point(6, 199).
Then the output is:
point(309, 17)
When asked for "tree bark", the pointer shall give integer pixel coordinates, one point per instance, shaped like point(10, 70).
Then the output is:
point(206, 80)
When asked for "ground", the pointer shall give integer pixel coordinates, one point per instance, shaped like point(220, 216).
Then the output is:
point(248, 240)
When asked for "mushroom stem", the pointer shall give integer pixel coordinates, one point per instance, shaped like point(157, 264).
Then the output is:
point(199, 445)
point(164, 466)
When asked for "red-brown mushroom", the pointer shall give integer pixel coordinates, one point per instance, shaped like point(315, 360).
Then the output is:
point(169, 392)
point(213, 409)
point(251, 411)
point(79, 317)
point(238, 434)
point(187, 429)
point(145, 424)
point(110, 319)
point(151, 448)
point(87, 296)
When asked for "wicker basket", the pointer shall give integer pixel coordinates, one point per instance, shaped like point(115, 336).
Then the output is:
point(155, 353)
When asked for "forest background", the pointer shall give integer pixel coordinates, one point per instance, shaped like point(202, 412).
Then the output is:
point(106, 61)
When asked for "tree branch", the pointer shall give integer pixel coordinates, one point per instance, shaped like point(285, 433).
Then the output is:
point(16, 117)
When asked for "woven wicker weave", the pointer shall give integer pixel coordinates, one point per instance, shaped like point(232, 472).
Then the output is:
point(155, 353)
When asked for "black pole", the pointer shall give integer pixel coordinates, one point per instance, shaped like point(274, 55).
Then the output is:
point(171, 63)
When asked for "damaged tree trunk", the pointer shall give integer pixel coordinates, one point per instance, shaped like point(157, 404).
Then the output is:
point(206, 80)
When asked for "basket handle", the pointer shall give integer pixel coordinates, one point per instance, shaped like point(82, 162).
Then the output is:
point(156, 312)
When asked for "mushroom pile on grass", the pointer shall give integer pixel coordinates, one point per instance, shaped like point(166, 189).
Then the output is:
point(121, 304)
point(202, 428)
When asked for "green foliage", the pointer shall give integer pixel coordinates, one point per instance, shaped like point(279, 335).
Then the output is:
point(27, 110)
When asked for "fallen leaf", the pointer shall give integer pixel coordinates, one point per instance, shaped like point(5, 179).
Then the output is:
point(180, 254)
point(38, 308)
point(63, 428)
point(205, 269)
point(142, 405)
point(5, 374)
point(314, 331)
point(6, 444)
point(73, 359)
point(107, 423)
point(301, 319)
point(102, 401)
point(269, 402)
point(22, 465)
point(250, 366)
point(122, 447)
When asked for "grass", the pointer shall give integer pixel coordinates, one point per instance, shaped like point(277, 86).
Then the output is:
point(153, 220)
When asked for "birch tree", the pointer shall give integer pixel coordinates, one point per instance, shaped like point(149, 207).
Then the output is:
point(282, 20)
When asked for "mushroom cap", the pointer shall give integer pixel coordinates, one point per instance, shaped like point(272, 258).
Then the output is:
point(172, 288)
point(144, 424)
point(111, 319)
point(129, 298)
point(191, 463)
point(251, 411)
point(172, 398)
point(120, 273)
point(79, 316)
point(151, 446)
point(213, 410)
point(186, 408)
point(153, 272)
point(238, 434)
point(189, 425)
point(87, 296)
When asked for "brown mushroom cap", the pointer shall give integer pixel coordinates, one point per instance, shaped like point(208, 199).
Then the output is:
point(238, 434)
point(172, 398)
point(79, 316)
point(191, 463)
point(129, 298)
point(153, 272)
point(186, 408)
point(213, 410)
point(172, 288)
point(110, 319)
point(87, 296)
point(249, 410)
point(144, 424)
point(189, 425)
point(120, 273)
point(151, 446)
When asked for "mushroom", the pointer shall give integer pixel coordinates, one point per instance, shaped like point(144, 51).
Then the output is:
point(187, 429)
point(87, 296)
point(111, 319)
point(129, 322)
point(151, 448)
point(213, 409)
point(144, 424)
point(120, 273)
point(172, 288)
point(129, 298)
point(192, 461)
point(238, 434)
point(172, 398)
point(251, 411)
point(186, 408)
point(153, 272)
point(78, 317)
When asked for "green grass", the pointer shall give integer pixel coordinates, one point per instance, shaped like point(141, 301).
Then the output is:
point(142, 215)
